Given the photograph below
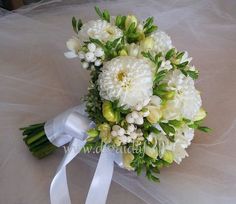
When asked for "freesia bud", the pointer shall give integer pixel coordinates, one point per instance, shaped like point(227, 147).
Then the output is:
point(200, 115)
point(73, 44)
point(168, 157)
point(155, 114)
point(129, 20)
point(151, 151)
point(108, 113)
point(127, 159)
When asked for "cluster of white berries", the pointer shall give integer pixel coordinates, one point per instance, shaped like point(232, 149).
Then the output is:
point(126, 136)
point(94, 55)
point(136, 116)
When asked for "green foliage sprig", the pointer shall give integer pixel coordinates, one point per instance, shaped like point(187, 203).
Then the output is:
point(110, 48)
point(76, 24)
point(149, 27)
point(104, 15)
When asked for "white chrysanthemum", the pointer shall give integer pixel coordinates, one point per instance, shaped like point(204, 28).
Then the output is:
point(187, 100)
point(126, 79)
point(162, 42)
point(183, 138)
point(99, 29)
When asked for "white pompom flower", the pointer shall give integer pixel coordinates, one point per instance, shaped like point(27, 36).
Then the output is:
point(187, 100)
point(126, 79)
point(99, 29)
point(162, 42)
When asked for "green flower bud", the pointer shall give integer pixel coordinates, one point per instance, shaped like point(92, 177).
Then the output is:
point(108, 112)
point(105, 132)
point(155, 114)
point(116, 141)
point(92, 134)
point(123, 53)
point(168, 157)
point(151, 151)
point(200, 115)
point(129, 20)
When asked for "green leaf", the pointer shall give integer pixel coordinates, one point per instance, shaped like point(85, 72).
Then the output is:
point(150, 30)
point(180, 55)
point(74, 24)
point(79, 24)
point(184, 64)
point(118, 21)
point(170, 53)
point(204, 129)
point(154, 130)
point(98, 12)
point(193, 74)
point(175, 123)
point(148, 22)
point(106, 16)
point(167, 128)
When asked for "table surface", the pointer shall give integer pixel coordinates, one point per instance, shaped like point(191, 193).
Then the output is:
point(37, 82)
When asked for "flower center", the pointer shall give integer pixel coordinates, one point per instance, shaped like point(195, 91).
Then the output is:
point(123, 79)
point(121, 75)
point(110, 31)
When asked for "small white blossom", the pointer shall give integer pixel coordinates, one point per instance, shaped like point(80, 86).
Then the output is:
point(129, 118)
point(81, 55)
point(121, 131)
point(91, 47)
point(139, 121)
point(85, 65)
point(89, 56)
point(113, 133)
point(99, 52)
point(98, 62)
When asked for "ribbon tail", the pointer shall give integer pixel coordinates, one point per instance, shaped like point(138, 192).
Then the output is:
point(102, 178)
point(59, 192)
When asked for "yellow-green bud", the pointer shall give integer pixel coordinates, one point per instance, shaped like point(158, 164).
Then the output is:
point(170, 95)
point(155, 114)
point(123, 53)
point(168, 157)
point(105, 132)
point(147, 43)
point(151, 151)
point(129, 20)
point(108, 112)
point(127, 159)
point(92, 134)
point(116, 141)
point(200, 115)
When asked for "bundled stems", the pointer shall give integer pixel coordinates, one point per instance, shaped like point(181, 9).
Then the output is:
point(35, 138)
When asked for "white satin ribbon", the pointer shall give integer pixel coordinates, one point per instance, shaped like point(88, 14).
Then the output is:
point(72, 126)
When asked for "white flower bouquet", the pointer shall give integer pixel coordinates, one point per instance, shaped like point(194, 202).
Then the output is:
point(141, 96)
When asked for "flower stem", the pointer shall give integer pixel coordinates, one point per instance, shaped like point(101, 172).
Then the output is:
point(35, 138)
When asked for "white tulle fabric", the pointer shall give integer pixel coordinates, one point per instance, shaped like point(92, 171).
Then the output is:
point(37, 83)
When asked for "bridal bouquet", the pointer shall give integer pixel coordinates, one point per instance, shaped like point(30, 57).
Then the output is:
point(141, 96)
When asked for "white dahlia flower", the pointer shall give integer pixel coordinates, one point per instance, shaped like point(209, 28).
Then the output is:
point(126, 79)
point(187, 100)
point(162, 42)
point(99, 29)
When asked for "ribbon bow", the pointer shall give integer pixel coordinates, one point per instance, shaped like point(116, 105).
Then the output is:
point(71, 126)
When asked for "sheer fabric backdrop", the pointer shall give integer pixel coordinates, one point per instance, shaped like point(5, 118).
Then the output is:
point(37, 83)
